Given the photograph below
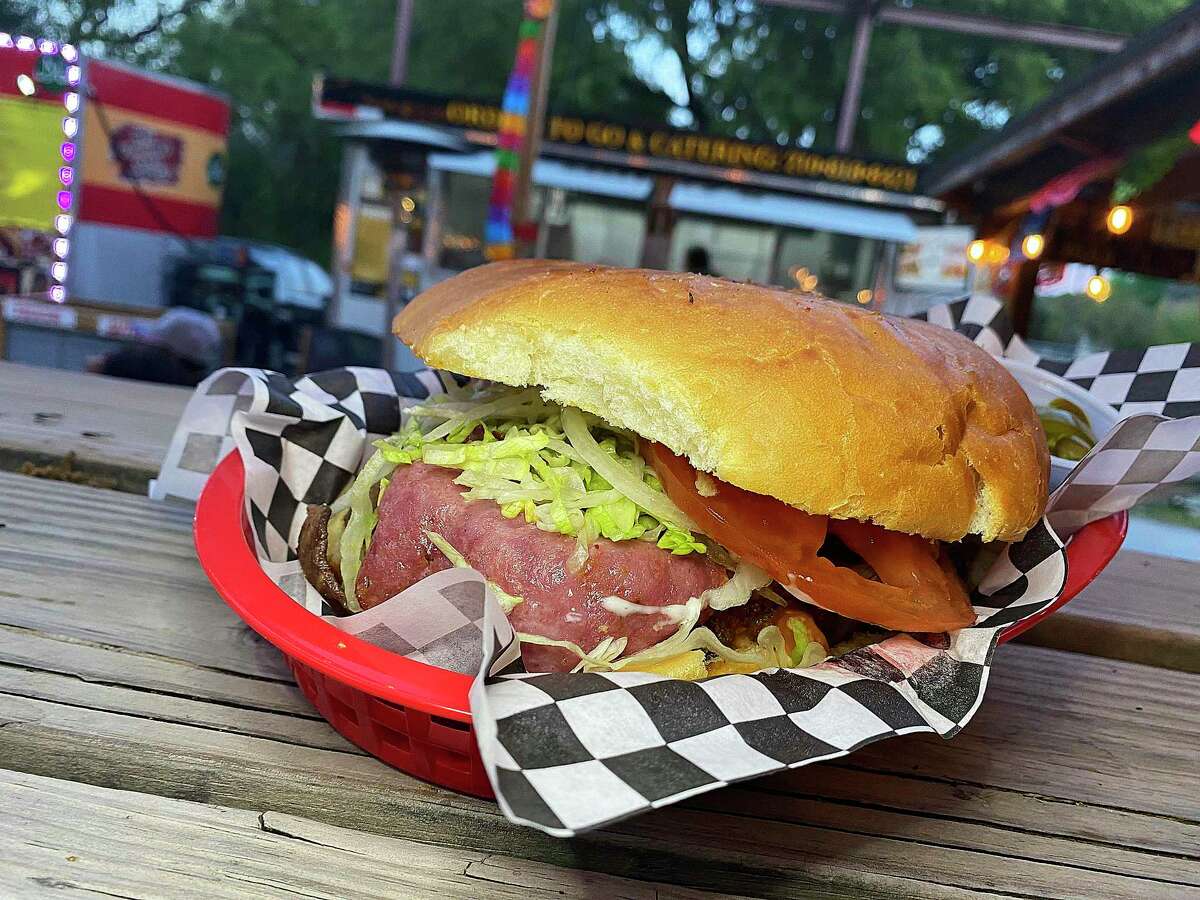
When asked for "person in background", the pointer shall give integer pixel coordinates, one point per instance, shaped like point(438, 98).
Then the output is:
point(697, 261)
point(181, 347)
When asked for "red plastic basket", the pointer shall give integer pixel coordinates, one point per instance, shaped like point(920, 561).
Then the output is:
point(411, 715)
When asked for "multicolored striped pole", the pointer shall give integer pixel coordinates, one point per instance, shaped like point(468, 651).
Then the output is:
point(505, 225)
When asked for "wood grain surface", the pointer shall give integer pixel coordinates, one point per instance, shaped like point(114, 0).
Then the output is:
point(114, 426)
point(120, 668)
point(63, 837)
point(1142, 608)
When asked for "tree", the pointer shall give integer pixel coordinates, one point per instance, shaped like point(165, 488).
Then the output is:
point(730, 67)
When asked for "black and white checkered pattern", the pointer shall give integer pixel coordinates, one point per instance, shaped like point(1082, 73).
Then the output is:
point(983, 319)
point(572, 752)
point(1162, 380)
point(1143, 456)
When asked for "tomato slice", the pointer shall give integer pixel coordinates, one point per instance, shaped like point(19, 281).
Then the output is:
point(918, 590)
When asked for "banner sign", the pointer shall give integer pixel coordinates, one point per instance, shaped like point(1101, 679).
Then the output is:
point(345, 98)
point(153, 151)
point(32, 84)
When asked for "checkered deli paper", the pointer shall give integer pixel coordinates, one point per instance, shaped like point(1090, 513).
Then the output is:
point(570, 752)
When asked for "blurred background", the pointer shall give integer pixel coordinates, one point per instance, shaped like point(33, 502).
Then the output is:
point(266, 182)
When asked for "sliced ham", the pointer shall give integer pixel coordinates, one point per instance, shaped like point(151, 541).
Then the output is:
point(529, 563)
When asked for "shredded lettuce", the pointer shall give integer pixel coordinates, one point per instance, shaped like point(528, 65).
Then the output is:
point(507, 601)
point(360, 522)
point(769, 651)
point(747, 578)
point(649, 496)
point(805, 651)
point(600, 658)
point(542, 462)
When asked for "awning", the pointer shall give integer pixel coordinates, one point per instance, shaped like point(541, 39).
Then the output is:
point(406, 132)
point(798, 212)
point(552, 174)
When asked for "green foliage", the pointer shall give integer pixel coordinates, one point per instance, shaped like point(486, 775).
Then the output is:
point(1147, 165)
point(730, 67)
point(1141, 312)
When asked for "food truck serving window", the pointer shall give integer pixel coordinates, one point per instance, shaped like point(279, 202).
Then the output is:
point(587, 214)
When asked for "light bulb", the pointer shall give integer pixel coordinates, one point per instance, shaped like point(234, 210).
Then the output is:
point(69, 53)
point(61, 247)
point(58, 293)
point(1098, 288)
point(58, 271)
point(62, 224)
point(1033, 245)
point(976, 251)
point(74, 73)
point(1119, 219)
point(71, 102)
point(25, 85)
point(70, 127)
point(864, 297)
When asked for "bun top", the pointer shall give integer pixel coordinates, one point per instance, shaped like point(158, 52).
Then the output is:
point(835, 410)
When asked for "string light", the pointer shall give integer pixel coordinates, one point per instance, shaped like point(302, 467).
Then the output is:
point(70, 126)
point(1098, 288)
point(1119, 219)
point(1033, 245)
point(864, 297)
point(977, 250)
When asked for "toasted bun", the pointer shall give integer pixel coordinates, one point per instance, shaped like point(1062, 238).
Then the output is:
point(835, 410)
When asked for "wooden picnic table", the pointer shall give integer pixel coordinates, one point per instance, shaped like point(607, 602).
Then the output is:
point(152, 745)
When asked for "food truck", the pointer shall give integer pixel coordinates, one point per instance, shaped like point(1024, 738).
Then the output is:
point(111, 182)
point(416, 178)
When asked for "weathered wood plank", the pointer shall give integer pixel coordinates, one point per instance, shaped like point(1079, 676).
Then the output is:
point(111, 665)
point(116, 569)
point(1141, 608)
point(932, 795)
point(110, 421)
point(194, 850)
point(164, 607)
point(124, 669)
point(761, 831)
